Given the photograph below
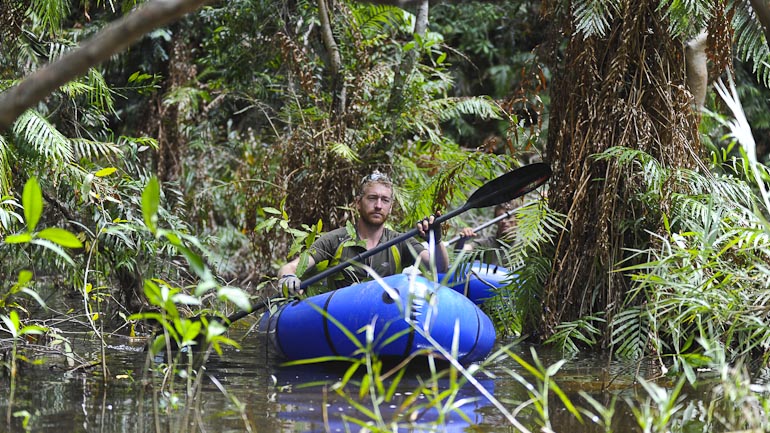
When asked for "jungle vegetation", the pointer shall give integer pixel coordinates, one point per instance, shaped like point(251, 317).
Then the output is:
point(174, 177)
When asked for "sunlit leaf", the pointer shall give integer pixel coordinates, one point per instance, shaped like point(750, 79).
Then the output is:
point(236, 296)
point(105, 172)
point(20, 238)
point(32, 200)
point(60, 236)
point(151, 203)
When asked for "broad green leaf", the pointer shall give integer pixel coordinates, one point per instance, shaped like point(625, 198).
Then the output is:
point(194, 260)
point(150, 203)
point(34, 295)
point(24, 277)
point(105, 172)
point(60, 236)
point(183, 298)
point(21, 238)
point(32, 200)
point(11, 324)
point(236, 296)
point(205, 285)
point(33, 329)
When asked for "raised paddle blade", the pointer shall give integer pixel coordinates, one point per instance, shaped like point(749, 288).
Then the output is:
point(509, 186)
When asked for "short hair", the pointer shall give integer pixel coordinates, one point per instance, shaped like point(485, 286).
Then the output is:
point(374, 177)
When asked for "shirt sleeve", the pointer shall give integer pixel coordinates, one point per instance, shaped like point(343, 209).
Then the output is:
point(413, 247)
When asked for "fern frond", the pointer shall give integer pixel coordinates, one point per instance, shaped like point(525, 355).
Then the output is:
point(630, 333)
point(593, 17)
point(91, 149)
point(750, 43)
point(450, 108)
point(377, 19)
point(43, 138)
point(688, 17)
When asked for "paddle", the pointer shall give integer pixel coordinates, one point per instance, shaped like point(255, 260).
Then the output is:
point(502, 189)
point(482, 226)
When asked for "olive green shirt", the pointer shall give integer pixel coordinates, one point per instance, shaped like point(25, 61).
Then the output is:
point(337, 247)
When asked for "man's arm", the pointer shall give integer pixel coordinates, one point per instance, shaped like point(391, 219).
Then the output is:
point(442, 257)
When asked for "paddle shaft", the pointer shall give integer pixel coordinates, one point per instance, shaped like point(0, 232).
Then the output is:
point(481, 227)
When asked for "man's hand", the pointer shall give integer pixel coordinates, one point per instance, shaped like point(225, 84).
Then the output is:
point(290, 284)
point(427, 226)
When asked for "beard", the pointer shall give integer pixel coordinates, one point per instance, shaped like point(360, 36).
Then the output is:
point(374, 219)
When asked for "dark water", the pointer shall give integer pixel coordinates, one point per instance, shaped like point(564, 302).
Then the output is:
point(248, 390)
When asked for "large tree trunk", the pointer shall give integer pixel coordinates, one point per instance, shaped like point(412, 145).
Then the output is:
point(624, 89)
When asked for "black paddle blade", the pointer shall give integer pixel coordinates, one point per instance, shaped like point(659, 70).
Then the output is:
point(509, 186)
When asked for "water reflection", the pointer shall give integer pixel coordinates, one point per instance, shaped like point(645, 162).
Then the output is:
point(317, 408)
point(248, 390)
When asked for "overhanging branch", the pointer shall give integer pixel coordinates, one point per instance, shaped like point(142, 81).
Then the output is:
point(113, 39)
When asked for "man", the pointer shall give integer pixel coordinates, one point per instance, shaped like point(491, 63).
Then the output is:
point(373, 203)
point(491, 245)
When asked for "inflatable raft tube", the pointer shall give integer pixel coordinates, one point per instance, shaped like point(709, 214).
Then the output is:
point(477, 281)
point(305, 329)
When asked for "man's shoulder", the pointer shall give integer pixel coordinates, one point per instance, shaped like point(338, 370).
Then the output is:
point(337, 235)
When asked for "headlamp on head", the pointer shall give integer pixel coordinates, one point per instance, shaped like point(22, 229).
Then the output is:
point(374, 177)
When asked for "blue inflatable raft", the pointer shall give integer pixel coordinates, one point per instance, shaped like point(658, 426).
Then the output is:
point(315, 327)
point(477, 281)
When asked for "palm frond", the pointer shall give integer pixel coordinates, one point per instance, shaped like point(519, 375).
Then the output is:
point(42, 138)
point(100, 95)
point(593, 17)
point(630, 333)
point(91, 149)
point(687, 18)
point(49, 14)
point(536, 225)
point(344, 151)
point(8, 216)
point(450, 108)
point(750, 42)
point(570, 337)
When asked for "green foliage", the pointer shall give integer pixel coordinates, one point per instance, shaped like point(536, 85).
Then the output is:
point(702, 273)
point(594, 17)
point(750, 41)
point(572, 337)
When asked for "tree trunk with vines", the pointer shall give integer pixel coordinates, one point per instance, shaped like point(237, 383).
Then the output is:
point(624, 89)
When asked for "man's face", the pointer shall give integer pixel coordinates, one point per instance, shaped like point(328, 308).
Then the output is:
point(375, 203)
